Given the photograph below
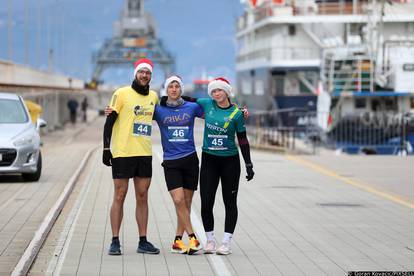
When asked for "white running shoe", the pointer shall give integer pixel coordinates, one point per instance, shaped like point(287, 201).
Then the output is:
point(210, 247)
point(224, 249)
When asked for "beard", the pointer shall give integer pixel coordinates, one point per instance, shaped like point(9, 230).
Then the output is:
point(143, 81)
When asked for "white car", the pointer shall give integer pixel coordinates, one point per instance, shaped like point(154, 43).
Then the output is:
point(19, 139)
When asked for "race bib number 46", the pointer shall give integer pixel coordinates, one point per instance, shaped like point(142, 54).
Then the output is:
point(217, 142)
point(178, 133)
point(141, 129)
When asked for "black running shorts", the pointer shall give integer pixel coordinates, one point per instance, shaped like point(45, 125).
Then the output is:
point(182, 172)
point(129, 167)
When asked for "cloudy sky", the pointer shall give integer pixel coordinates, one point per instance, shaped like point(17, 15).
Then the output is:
point(199, 33)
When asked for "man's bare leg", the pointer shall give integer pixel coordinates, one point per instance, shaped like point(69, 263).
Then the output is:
point(141, 210)
point(183, 215)
point(188, 195)
point(141, 185)
point(117, 208)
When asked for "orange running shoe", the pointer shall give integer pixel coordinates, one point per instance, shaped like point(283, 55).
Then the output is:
point(194, 246)
point(179, 247)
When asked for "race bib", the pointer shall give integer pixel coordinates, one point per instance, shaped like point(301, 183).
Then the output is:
point(178, 133)
point(217, 142)
point(141, 129)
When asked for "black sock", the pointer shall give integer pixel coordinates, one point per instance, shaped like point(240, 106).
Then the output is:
point(178, 238)
point(115, 239)
point(192, 235)
point(143, 239)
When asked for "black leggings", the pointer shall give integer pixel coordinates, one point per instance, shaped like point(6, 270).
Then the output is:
point(213, 169)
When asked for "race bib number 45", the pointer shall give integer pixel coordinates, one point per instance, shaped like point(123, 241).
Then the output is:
point(217, 142)
point(178, 133)
point(141, 129)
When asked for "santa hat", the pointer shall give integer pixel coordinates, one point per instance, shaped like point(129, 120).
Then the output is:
point(143, 63)
point(171, 79)
point(220, 83)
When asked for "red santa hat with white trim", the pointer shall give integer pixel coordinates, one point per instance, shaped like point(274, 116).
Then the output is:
point(220, 83)
point(141, 64)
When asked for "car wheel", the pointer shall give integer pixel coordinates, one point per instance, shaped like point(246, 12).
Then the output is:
point(32, 177)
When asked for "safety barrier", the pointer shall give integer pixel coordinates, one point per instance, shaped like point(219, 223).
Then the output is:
point(298, 130)
point(276, 129)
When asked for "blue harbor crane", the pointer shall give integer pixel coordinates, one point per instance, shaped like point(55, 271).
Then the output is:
point(134, 37)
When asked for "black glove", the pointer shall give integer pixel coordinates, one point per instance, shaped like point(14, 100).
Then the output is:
point(163, 101)
point(107, 157)
point(249, 171)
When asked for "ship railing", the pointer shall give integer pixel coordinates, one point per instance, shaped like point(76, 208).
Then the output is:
point(279, 53)
point(271, 8)
point(340, 7)
point(302, 8)
point(288, 53)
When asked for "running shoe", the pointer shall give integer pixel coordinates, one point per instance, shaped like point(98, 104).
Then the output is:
point(115, 248)
point(179, 247)
point(193, 246)
point(147, 248)
point(224, 249)
point(210, 247)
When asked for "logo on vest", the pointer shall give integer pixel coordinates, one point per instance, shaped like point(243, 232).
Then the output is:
point(141, 110)
point(136, 109)
point(177, 118)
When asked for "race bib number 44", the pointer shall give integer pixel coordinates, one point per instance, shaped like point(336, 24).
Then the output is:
point(217, 142)
point(141, 129)
point(178, 133)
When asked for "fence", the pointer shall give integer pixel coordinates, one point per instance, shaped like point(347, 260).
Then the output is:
point(374, 133)
point(279, 129)
point(298, 130)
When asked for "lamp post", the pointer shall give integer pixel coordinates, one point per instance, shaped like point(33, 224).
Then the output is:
point(10, 29)
point(38, 31)
point(26, 32)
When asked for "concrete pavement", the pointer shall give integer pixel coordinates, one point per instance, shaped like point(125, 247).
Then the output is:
point(294, 219)
point(23, 205)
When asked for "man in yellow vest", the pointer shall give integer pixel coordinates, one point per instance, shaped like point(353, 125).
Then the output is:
point(127, 148)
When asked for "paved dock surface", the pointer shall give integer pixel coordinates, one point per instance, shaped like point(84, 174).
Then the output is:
point(301, 215)
point(24, 205)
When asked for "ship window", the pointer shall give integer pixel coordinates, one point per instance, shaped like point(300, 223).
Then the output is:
point(259, 87)
point(334, 102)
point(375, 104)
point(292, 29)
point(246, 87)
point(360, 102)
point(278, 85)
point(303, 89)
point(390, 104)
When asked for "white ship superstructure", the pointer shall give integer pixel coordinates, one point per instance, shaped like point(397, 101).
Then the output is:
point(286, 47)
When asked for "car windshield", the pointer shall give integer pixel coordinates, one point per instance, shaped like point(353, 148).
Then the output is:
point(12, 112)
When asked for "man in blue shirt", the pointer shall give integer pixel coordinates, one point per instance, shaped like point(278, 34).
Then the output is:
point(176, 122)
